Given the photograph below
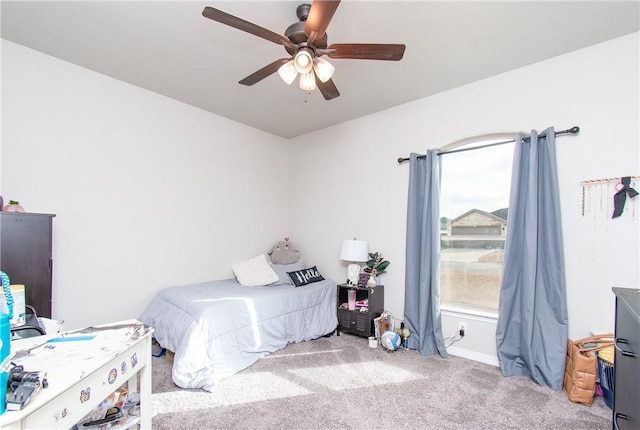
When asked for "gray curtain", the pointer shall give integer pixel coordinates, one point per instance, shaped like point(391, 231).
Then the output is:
point(531, 334)
point(422, 278)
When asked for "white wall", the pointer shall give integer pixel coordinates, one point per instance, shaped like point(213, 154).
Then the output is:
point(346, 181)
point(148, 192)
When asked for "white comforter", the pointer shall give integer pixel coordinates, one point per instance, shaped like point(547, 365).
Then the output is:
point(218, 328)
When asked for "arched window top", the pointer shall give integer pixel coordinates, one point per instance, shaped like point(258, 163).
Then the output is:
point(478, 140)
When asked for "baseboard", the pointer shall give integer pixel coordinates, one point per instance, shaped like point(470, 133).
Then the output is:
point(472, 355)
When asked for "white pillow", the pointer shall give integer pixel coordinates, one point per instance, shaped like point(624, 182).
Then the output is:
point(254, 272)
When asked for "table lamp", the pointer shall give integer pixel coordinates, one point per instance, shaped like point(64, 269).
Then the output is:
point(354, 250)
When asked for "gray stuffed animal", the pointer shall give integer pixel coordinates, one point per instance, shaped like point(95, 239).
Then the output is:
point(283, 253)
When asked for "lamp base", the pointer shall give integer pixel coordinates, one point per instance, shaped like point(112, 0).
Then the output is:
point(353, 273)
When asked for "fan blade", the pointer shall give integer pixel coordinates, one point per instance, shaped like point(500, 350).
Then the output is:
point(319, 18)
point(241, 24)
point(267, 70)
point(328, 89)
point(367, 51)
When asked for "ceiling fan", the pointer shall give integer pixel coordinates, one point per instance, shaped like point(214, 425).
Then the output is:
point(306, 42)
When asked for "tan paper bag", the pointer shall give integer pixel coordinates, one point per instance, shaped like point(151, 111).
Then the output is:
point(581, 367)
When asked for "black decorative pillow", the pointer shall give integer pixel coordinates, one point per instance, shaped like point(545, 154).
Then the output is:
point(305, 276)
point(282, 270)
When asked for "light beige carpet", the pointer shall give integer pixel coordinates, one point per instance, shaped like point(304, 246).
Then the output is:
point(341, 383)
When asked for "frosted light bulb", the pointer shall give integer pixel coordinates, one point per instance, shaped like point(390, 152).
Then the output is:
point(303, 61)
point(308, 81)
point(324, 69)
point(288, 72)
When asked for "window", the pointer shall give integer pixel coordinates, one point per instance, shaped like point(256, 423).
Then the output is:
point(473, 224)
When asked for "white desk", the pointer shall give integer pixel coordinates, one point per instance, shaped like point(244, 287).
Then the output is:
point(82, 373)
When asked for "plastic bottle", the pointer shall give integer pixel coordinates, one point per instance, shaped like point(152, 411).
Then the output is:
point(5, 342)
point(405, 336)
point(5, 347)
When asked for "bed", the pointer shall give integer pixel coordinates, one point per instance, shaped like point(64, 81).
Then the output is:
point(218, 328)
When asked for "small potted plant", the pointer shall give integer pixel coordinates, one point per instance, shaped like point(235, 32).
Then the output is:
point(375, 266)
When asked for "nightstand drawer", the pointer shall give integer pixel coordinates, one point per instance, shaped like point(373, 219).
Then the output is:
point(355, 322)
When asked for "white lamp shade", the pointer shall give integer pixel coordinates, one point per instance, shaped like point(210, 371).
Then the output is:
point(354, 250)
point(288, 72)
point(324, 69)
point(308, 81)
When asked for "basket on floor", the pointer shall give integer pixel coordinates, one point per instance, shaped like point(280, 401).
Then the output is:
point(605, 373)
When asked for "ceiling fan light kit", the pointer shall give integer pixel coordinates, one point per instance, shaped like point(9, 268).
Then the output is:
point(324, 69)
point(303, 60)
point(288, 72)
point(307, 81)
point(306, 42)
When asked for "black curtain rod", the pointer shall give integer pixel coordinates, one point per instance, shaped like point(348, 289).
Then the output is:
point(572, 130)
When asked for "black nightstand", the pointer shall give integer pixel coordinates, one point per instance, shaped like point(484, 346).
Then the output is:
point(355, 321)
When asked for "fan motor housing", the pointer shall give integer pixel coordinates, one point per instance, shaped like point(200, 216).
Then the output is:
point(295, 32)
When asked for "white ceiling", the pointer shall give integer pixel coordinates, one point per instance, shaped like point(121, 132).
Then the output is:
point(168, 47)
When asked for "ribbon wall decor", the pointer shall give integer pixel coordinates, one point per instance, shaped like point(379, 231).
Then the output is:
point(620, 197)
point(599, 195)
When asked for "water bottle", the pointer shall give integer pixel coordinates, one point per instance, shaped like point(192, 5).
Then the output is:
point(5, 342)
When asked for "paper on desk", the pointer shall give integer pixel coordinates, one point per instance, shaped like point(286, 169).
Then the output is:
point(51, 326)
point(80, 348)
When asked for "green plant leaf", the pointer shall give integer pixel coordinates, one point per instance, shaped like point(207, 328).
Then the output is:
point(382, 266)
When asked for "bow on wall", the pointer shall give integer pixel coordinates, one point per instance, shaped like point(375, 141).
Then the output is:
point(620, 197)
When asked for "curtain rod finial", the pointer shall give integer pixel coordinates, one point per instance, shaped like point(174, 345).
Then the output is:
point(574, 130)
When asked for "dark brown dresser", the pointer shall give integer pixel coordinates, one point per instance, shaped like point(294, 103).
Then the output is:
point(26, 256)
point(626, 386)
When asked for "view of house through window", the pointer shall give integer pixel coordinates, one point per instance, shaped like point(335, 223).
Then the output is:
point(473, 224)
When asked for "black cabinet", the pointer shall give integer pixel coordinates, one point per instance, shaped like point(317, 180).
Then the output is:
point(358, 321)
point(626, 394)
point(26, 256)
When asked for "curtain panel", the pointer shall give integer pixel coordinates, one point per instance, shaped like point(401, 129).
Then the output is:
point(532, 329)
point(422, 274)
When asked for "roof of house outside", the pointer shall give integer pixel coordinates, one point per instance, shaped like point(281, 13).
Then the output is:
point(480, 212)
